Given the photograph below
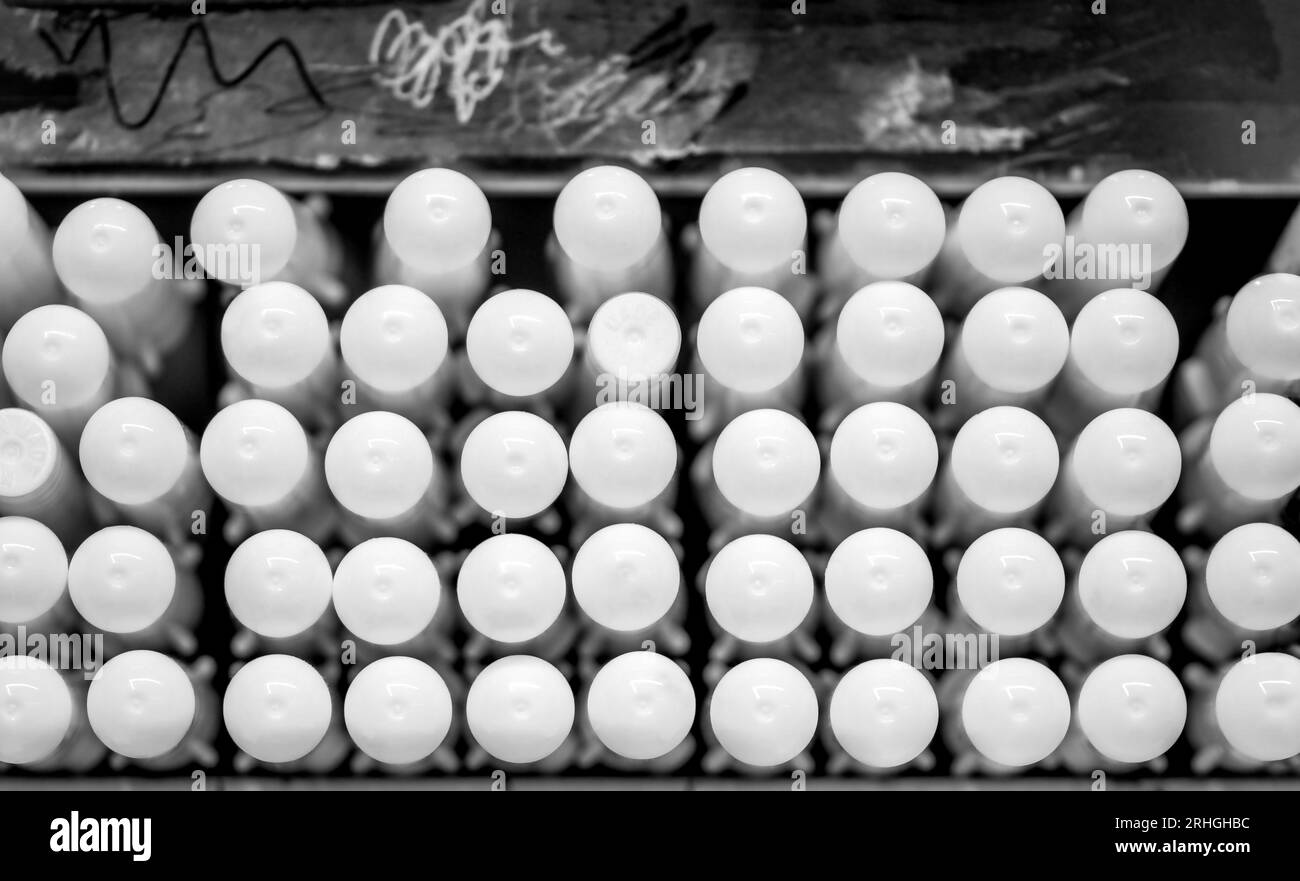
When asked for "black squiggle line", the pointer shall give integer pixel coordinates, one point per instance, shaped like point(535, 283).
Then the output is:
point(99, 25)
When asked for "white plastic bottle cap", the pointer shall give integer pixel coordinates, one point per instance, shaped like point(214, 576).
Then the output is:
point(386, 591)
point(1016, 712)
point(634, 337)
point(28, 452)
point(254, 453)
point(1255, 446)
point(1015, 340)
point(892, 224)
point(14, 222)
point(766, 462)
point(437, 220)
point(33, 570)
point(750, 339)
point(763, 712)
point(1124, 341)
point(753, 219)
point(519, 342)
point(520, 709)
point(277, 708)
point(1010, 581)
point(514, 464)
point(393, 338)
point(623, 455)
point(278, 583)
point(133, 451)
point(105, 251)
point(1263, 326)
point(884, 455)
point(607, 218)
point(1258, 706)
point(641, 705)
point(511, 588)
point(1006, 229)
point(243, 214)
point(275, 334)
point(1137, 207)
point(1132, 708)
point(37, 710)
point(1127, 462)
point(1253, 576)
point(56, 349)
point(141, 704)
point(890, 333)
point(397, 710)
point(878, 581)
point(884, 713)
point(759, 588)
point(1005, 459)
point(378, 465)
point(121, 579)
point(626, 577)
point(1132, 584)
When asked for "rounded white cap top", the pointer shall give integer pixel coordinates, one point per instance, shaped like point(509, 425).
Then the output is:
point(1255, 446)
point(56, 348)
point(763, 712)
point(634, 337)
point(274, 334)
point(386, 591)
point(277, 708)
point(607, 218)
point(37, 708)
point(1136, 207)
point(878, 581)
point(890, 333)
point(1015, 340)
point(121, 579)
point(520, 709)
point(641, 705)
point(437, 220)
point(133, 451)
point(14, 220)
point(1127, 462)
point(623, 454)
point(519, 342)
point(1253, 576)
point(254, 453)
point(1005, 459)
point(397, 710)
point(511, 588)
point(393, 338)
point(141, 704)
point(766, 462)
point(884, 713)
point(378, 465)
point(750, 339)
point(626, 577)
point(1010, 581)
point(514, 464)
point(105, 250)
point(1016, 712)
point(892, 224)
point(1132, 708)
point(1124, 341)
point(278, 583)
point(884, 455)
point(1005, 227)
point(1258, 706)
point(1263, 325)
point(759, 588)
point(33, 569)
point(246, 214)
point(1132, 584)
point(753, 219)
point(28, 452)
